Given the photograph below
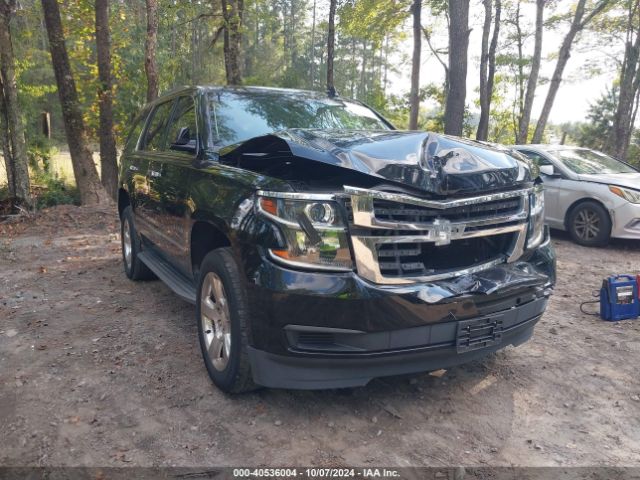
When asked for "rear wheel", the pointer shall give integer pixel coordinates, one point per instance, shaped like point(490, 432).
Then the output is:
point(134, 268)
point(589, 224)
point(223, 315)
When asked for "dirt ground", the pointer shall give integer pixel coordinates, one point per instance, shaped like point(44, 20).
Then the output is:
point(98, 370)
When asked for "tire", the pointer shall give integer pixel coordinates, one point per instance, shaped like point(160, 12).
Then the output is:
point(222, 313)
point(589, 224)
point(134, 268)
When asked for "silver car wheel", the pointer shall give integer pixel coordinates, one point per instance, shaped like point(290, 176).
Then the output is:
point(216, 321)
point(127, 247)
point(587, 224)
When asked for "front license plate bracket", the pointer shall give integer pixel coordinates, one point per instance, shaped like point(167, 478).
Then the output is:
point(478, 333)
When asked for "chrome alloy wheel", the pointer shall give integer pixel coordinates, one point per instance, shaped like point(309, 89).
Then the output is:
point(216, 322)
point(127, 247)
point(587, 224)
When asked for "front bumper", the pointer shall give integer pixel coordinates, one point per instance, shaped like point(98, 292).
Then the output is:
point(319, 330)
point(626, 221)
point(338, 371)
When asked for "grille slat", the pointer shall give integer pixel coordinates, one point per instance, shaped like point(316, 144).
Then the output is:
point(400, 212)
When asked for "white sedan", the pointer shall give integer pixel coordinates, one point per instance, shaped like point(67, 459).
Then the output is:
point(587, 193)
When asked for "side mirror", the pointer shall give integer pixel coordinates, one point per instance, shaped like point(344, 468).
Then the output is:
point(548, 170)
point(183, 142)
point(183, 136)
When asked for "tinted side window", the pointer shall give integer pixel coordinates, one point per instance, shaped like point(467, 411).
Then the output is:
point(154, 135)
point(136, 130)
point(536, 157)
point(182, 134)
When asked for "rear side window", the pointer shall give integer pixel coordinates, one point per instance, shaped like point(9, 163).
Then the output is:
point(136, 130)
point(155, 134)
point(182, 135)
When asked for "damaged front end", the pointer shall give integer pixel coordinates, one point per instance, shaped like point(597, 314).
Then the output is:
point(397, 207)
point(424, 247)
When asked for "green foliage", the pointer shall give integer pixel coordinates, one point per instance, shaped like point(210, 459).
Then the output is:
point(372, 19)
point(4, 193)
point(396, 111)
point(282, 46)
point(50, 190)
point(433, 119)
point(40, 152)
point(595, 133)
point(633, 157)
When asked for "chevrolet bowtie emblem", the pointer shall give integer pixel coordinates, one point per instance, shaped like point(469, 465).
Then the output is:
point(442, 231)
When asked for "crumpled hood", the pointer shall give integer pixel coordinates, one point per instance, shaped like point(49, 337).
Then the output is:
point(630, 180)
point(434, 163)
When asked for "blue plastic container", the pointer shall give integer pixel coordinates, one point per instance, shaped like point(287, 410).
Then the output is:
point(619, 298)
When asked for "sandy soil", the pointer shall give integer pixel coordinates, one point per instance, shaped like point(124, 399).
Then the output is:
point(98, 370)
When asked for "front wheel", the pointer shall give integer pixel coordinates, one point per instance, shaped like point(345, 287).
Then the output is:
point(589, 225)
point(134, 268)
point(223, 314)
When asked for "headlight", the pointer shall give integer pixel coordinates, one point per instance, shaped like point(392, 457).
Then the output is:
point(315, 232)
point(629, 195)
point(535, 233)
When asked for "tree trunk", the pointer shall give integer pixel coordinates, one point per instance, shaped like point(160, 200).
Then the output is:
point(492, 58)
point(363, 72)
point(458, 48)
point(386, 65)
point(483, 123)
point(414, 95)
point(520, 77)
point(445, 66)
point(525, 117)
point(84, 170)
point(292, 32)
point(312, 57)
point(629, 78)
point(331, 39)
point(150, 47)
point(17, 162)
point(108, 152)
point(232, 11)
point(5, 141)
point(285, 35)
point(488, 66)
point(192, 50)
point(354, 69)
point(563, 57)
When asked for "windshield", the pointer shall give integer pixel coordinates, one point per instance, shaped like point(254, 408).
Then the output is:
point(238, 116)
point(583, 161)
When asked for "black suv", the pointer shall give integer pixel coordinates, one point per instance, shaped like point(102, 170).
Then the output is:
point(322, 247)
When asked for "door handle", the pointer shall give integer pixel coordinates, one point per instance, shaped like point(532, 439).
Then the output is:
point(154, 174)
point(133, 168)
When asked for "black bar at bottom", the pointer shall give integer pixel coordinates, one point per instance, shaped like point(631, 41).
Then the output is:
point(369, 473)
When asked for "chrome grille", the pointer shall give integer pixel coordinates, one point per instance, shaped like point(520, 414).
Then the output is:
point(400, 239)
